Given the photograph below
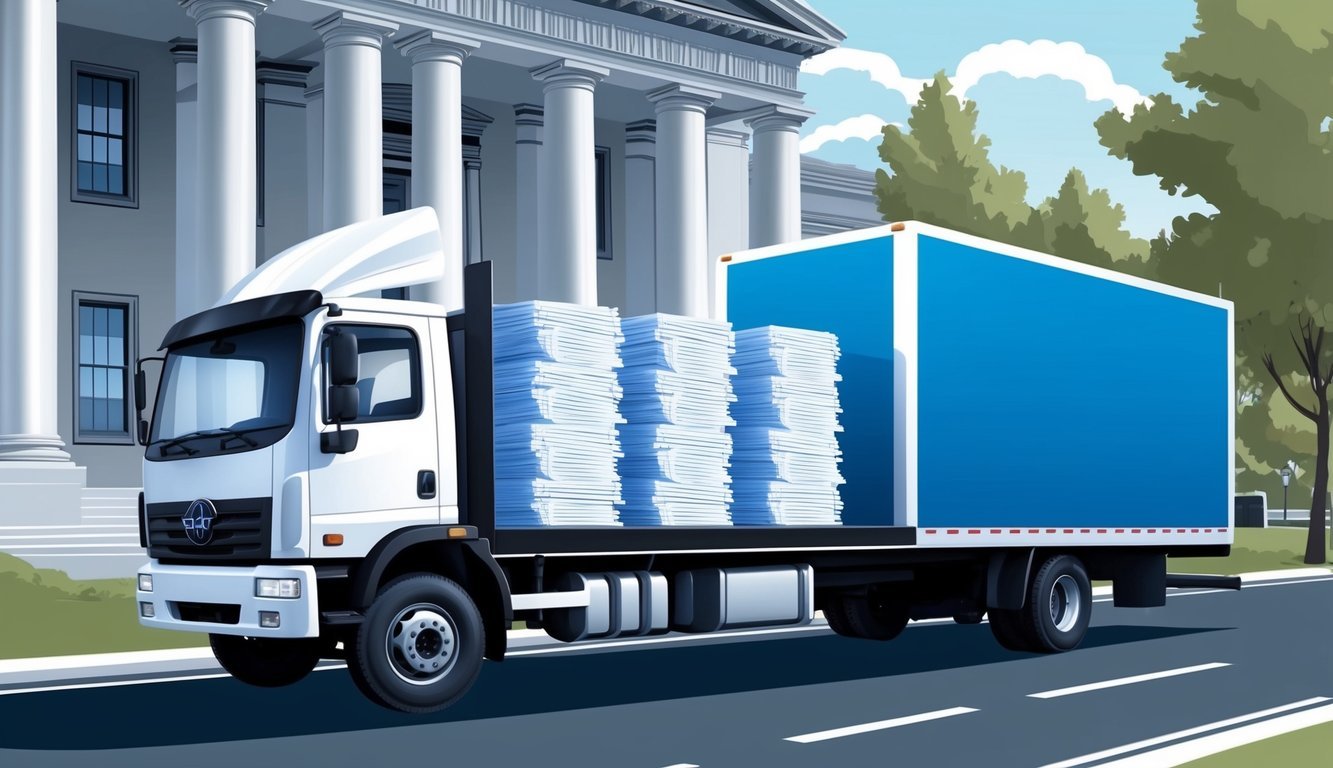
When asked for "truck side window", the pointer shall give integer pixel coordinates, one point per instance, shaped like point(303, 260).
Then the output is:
point(390, 375)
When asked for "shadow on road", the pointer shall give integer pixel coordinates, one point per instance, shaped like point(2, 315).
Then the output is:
point(326, 702)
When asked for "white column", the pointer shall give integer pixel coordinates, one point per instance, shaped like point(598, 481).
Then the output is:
point(437, 148)
point(640, 219)
point(353, 117)
point(186, 55)
point(775, 181)
point(314, 158)
point(567, 220)
point(225, 223)
point(682, 199)
point(528, 154)
point(728, 200)
point(472, 205)
point(28, 249)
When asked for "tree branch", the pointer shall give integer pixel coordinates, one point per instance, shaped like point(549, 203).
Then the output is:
point(1271, 367)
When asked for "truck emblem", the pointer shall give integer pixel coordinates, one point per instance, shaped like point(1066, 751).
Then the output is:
point(198, 521)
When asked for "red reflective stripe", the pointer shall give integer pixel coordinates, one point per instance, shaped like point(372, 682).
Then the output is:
point(1101, 530)
point(951, 532)
point(996, 530)
point(1015, 530)
point(973, 531)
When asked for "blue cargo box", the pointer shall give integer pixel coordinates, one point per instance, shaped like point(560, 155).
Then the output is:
point(998, 396)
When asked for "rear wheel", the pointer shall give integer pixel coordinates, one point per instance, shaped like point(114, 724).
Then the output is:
point(877, 615)
point(420, 646)
point(266, 662)
point(1059, 605)
point(1007, 626)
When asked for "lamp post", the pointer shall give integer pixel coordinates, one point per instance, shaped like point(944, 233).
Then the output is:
point(1286, 481)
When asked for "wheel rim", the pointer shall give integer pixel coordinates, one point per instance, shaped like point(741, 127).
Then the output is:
point(422, 644)
point(1066, 603)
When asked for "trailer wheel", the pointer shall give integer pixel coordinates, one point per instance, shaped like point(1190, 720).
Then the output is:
point(877, 615)
point(266, 662)
point(1059, 605)
point(420, 646)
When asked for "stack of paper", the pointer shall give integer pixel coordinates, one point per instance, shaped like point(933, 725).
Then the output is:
point(676, 448)
point(556, 414)
point(785, 448)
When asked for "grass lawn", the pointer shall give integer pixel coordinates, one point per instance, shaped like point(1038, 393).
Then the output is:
point(1304, 747)
point(43, 612)
point(1255, 549)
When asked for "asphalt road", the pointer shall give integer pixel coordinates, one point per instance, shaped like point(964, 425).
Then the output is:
point(739, 701)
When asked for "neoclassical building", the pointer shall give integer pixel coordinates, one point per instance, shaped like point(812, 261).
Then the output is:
point(152, 152)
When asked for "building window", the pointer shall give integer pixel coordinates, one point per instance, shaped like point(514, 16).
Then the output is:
point(104, 146)
point(389, 373)
point(105, 343)
point(603, 204)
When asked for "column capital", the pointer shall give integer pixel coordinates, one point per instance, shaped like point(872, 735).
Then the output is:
point(641, 140)
point(728, 137)
point(569, 73)
point(529, 114)
point(778, 118)
point(431, 45)
point(184, 50)
point(349, 28)
point(242, 10)
point(683, 97)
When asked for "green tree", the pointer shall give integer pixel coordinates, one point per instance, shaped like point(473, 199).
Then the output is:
point(942, 174)
point(1083, 224)
point(1258, 148)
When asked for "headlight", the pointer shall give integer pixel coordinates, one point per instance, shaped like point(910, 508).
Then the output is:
point(282, 588)
point(145, 582)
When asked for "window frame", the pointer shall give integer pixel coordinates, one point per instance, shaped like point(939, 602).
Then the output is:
point(130, 304)
point(603, 196)
point(414, 365)
point(130, 140)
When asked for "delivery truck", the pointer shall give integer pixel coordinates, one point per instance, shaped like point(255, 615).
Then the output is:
point(1016, 425)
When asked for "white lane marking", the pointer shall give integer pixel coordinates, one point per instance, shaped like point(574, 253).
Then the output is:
point(1188, 752)
point(880, 725)
point(1070, 691)
point(11, 547)
point(48, 555)
point(1114, 751)
point(682, 765)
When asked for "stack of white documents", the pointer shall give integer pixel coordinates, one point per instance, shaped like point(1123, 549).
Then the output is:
point(785, 449)
point(676, 448)
point(556, 398)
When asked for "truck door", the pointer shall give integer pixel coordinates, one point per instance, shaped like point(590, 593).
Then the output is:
point(391, 479)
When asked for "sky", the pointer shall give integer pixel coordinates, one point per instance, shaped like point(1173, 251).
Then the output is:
point(1040, 72)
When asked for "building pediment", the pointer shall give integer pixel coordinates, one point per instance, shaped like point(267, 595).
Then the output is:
point(789, 25)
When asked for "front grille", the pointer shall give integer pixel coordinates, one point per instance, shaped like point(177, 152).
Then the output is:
point(242, 530)
point(211, 613)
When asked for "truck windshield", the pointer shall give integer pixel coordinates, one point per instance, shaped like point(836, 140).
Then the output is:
point(230, 392)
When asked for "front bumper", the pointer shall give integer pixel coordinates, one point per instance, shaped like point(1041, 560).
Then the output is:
point(180, 590)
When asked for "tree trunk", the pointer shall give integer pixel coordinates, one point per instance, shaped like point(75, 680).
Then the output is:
point(1315, 554)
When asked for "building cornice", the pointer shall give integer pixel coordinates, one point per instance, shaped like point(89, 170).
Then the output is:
point(820, 37)
point(839, 178)
point(593, 38)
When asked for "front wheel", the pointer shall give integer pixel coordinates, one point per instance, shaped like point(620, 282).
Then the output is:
point(420, 646)
point(265, 661)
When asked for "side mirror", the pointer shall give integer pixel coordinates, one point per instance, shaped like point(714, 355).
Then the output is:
point(140, 390)
point(344, 365)
point(344, 402)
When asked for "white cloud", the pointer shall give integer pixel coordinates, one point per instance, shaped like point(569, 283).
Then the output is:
point(860, 127)
point(1067, 61)
point(880, 66)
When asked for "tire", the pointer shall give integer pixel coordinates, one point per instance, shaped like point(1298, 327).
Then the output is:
point(1007, 626)
point(266, 662)
point(420, 646)
point(878, 615)
point(1059, 605)
point(836, 614)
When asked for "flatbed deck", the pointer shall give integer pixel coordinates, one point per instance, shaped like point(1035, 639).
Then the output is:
point(514, 542)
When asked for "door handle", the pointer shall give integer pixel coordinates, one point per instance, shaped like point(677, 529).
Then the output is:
point(426, 484)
